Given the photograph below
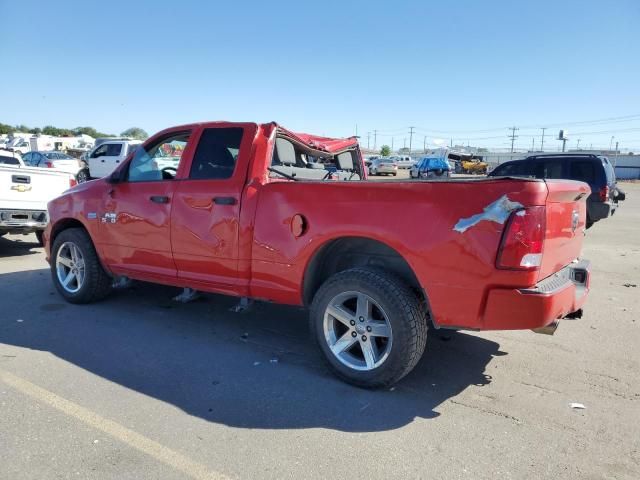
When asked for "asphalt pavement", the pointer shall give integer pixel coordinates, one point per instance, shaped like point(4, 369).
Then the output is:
point(141, 387)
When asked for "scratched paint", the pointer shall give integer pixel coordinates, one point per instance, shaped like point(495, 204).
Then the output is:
point(497, 211)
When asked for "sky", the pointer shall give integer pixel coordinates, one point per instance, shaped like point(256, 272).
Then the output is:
point(461, 70)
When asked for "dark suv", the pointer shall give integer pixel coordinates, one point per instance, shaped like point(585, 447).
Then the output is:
point(594, 170)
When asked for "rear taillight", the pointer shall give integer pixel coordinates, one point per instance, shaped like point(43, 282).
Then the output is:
point(49, 164)
point(604, 193)
point(522, 240)
point(72, 182)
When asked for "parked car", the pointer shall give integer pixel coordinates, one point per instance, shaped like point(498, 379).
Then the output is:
point(594, 170)
point(58, 160)
point(429, 167)
point(108, 155)
point(230, 221)
point(383, 166)
point(403, 161)
point(24, 193)
point(368, 160)
point(19, 145)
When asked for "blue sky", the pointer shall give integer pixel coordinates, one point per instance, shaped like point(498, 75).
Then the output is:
point(461, 69)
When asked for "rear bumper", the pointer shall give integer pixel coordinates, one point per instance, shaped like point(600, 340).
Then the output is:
point(600, 210)
point(542, 305)
point(22, 221)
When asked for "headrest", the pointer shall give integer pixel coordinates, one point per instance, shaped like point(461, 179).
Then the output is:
point(285, 151)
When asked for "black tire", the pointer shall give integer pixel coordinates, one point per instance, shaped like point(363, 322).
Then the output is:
point(39, 236)
point(83, 176)
point(407, 317)
point(395, 174)
point(97, 283)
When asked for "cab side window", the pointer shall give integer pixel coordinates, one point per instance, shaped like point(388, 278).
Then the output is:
point(114, 150)
point(217, 154)
point(101, 151)
point(548, 169)
point(158, 161)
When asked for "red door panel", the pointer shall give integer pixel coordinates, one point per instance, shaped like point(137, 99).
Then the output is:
point(136, 229)
point(206, 209)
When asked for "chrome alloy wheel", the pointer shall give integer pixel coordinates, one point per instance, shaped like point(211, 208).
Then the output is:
point(70, 267)
point(357, 331)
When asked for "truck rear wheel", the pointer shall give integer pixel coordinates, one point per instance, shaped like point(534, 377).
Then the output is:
point(369, 326)
point(75, 268)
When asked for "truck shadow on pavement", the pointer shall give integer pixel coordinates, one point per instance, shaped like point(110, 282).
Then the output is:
point(16, 247)
point(252, 370)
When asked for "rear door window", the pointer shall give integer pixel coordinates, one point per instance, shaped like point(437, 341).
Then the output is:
point(9, 160)
point(217, 154)
point(507, 169)
point(583, 170)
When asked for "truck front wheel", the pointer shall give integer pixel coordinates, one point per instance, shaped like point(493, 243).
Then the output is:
point(369, 326)
point(75, 268)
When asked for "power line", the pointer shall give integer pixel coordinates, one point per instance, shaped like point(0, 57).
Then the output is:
point(619, 119)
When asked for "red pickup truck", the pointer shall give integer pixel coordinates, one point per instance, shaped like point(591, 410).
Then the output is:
point(259, 212)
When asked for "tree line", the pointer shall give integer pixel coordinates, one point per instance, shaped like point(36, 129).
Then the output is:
point(133, 132)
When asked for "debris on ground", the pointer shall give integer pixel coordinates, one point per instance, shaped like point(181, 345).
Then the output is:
point(577, 406)
point(121, 283)
point(187, 295)
point(244, 305)
point(632, 285)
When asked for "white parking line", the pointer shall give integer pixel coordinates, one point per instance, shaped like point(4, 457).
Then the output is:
point(139, 442)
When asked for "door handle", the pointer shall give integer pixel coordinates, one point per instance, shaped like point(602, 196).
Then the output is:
point(159, 199)
point(224, 200)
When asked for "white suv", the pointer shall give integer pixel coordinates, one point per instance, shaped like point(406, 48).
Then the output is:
point(104, 158)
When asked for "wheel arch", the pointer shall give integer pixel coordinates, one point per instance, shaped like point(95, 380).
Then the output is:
point(342, 253)
point(64, 224)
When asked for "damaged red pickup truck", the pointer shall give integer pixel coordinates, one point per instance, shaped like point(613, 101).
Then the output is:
point(259, 212)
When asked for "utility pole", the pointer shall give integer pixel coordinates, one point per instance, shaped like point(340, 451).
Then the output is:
point(392, 144)
point(611, 142)
point(451, 142)
point(615, 161)
point(578, 146)
point(424, 144)
point(404, 142)
point(542, 142)
point(513, 136)
point(533, 144)
point(375, 139)
point(368, 138)
point(410, 138)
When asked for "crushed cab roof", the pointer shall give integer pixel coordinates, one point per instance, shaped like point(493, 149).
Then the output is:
point(324, 144)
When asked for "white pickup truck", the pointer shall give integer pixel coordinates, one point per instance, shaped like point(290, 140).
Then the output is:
point(24, 194)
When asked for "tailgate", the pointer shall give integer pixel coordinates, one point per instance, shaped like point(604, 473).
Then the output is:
point(566, 209)
point(30, 188)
